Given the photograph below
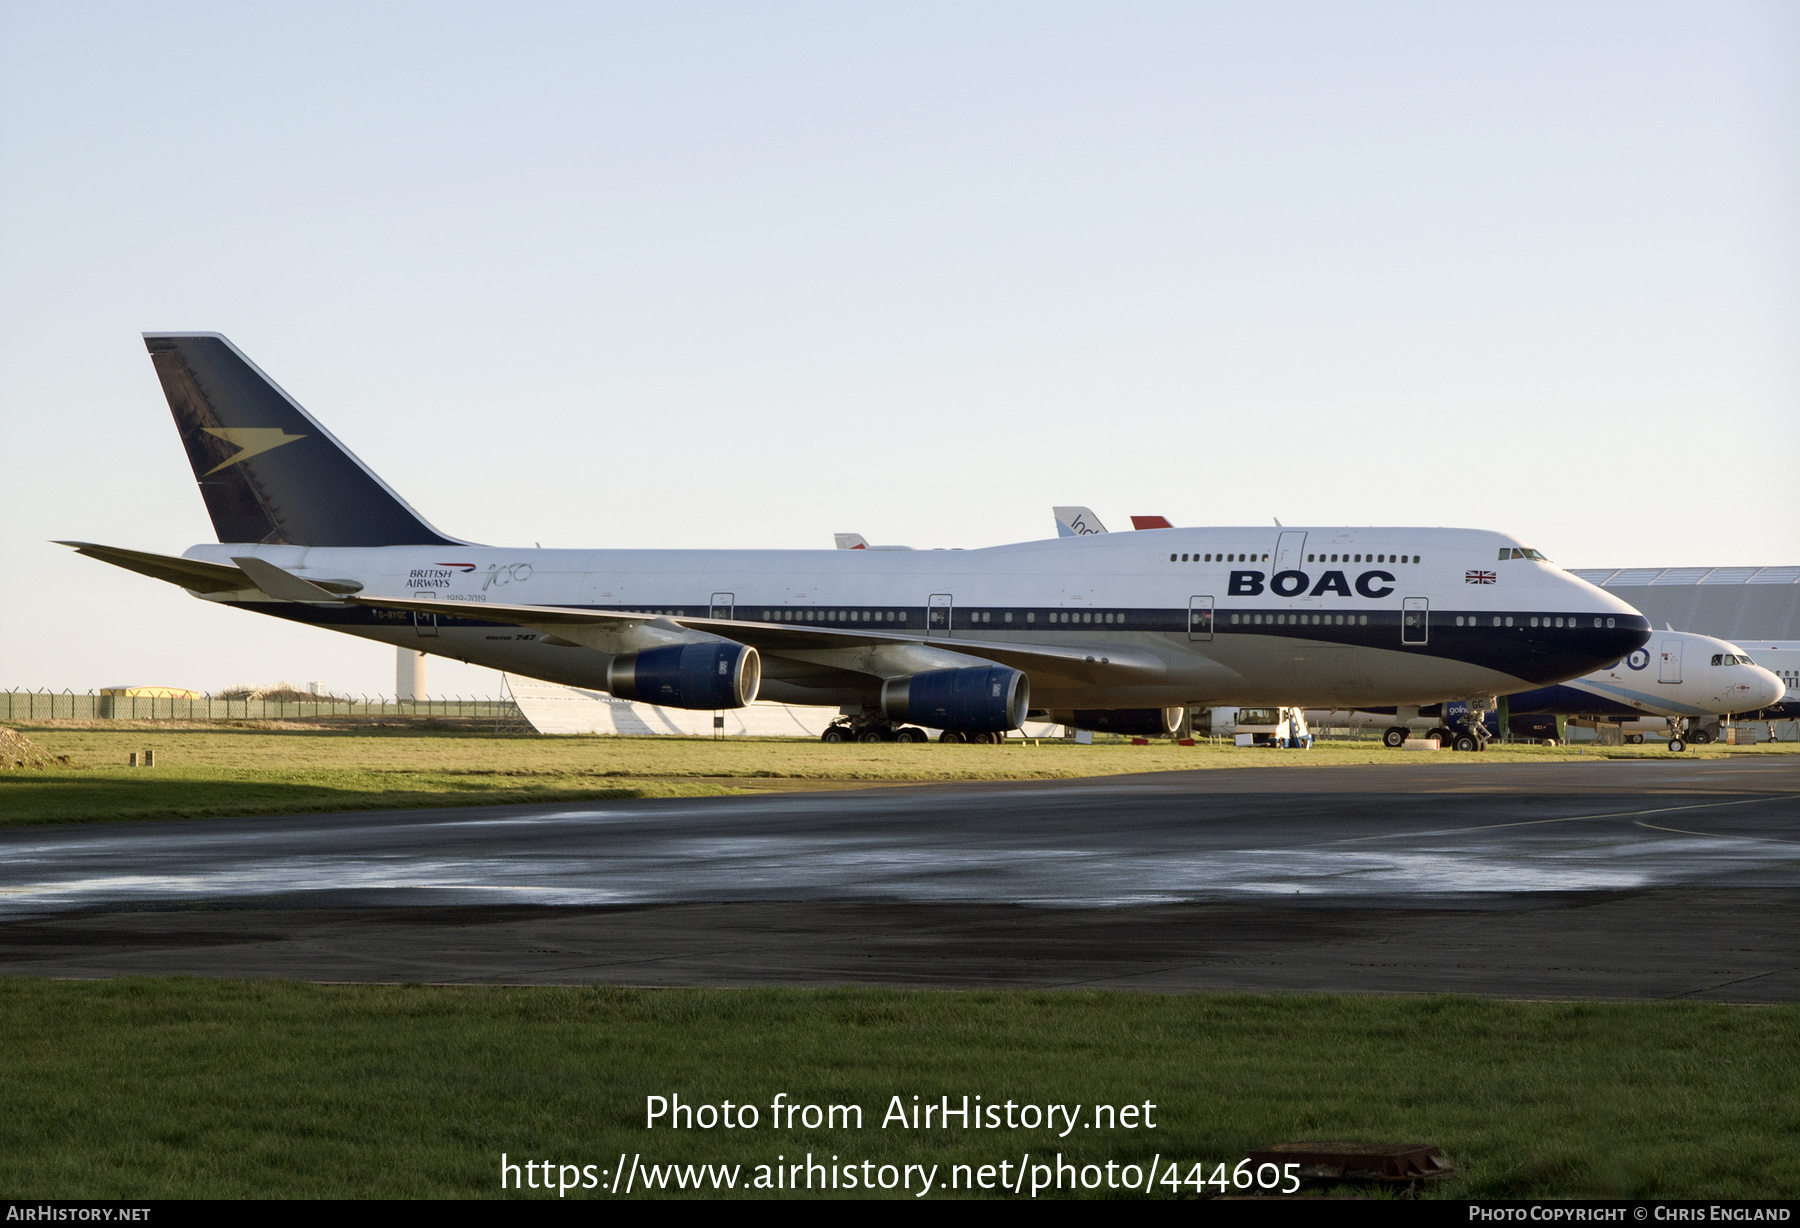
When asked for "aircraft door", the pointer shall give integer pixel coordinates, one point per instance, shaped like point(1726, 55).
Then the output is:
point(937, 614)
point(722, 605)
point(1670, 668)
point(1415, 620)
point(1290, 553)
point(1200, 618)
point(425, 624)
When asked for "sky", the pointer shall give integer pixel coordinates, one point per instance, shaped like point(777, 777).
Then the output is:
point(745, 275)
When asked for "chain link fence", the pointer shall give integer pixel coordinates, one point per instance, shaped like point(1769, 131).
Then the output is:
point(68, 705)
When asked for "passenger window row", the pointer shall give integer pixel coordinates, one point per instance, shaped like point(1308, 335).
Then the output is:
point(1311, 558)
point(1541, 620)
point(1313, 620)
point(1363, 558)
point(811, 615)
point(1030, 617)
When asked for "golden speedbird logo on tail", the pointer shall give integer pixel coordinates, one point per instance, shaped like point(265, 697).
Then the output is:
point(251, 440)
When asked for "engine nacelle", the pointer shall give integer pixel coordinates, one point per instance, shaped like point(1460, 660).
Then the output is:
point(1139, 722)
point(712, 675)
point(981, 699)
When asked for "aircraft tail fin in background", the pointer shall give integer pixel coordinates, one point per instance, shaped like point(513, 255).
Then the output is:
point(267, 470)
point(856, 541)
point(1077, 522)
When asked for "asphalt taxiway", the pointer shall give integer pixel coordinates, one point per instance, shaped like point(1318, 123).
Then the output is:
point(1622, 878)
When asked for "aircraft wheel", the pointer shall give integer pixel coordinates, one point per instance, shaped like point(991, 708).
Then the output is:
point(1677, 745)
point(1394, 738)
point(872, 735)
point(835, 733)
point(1444, 736)
point(910, 735)
point(950, 736)
point(1551, 742)
point(1700, 737)
point(1466, 742)
point(1636, 739)
point(983, 739)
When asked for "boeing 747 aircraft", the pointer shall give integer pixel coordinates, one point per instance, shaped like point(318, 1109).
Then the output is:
point(964, 641)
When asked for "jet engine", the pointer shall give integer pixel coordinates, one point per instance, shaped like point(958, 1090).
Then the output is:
point(1139, 722)
point(982, 699)
point(716, 674)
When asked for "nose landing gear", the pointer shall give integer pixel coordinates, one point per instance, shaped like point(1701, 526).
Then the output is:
point(1676, 742)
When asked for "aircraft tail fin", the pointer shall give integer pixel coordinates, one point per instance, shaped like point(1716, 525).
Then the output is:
point(1076, 522)
point(266, 468)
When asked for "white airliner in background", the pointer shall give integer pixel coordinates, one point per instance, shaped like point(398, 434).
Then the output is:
point(1678, 677)
point(1781, 658)
point(1093, 628)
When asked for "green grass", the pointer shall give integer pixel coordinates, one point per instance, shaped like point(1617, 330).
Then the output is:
point(213, 771)
point(185, 1088)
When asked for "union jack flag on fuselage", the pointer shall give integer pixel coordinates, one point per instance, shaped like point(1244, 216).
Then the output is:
point(1479, 577)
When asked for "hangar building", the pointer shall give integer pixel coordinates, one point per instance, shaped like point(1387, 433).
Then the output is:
point(1732, 603)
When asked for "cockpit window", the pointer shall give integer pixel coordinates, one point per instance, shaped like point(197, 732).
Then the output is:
point(1725, 658)
point(1522, 552)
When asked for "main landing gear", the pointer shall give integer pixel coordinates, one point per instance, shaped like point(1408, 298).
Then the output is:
point(1472, 736)
point(848, 729)
point(845, 730)
point(1396, 737)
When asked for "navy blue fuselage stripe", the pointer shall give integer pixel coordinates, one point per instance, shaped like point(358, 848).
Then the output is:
point(1567, 700)
point(1533, 653)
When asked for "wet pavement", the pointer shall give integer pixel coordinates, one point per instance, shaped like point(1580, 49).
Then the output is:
point(1615, 878)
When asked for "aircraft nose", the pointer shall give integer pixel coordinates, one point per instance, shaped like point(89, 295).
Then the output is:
point(1767, 689)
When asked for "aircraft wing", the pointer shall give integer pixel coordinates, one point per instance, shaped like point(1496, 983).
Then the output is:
point(1096, 663)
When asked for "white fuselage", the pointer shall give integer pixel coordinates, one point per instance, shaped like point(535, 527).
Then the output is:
point(1242, 616)
point(1676, 674)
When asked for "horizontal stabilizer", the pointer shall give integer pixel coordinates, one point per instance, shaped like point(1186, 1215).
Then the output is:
point(192, 574)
